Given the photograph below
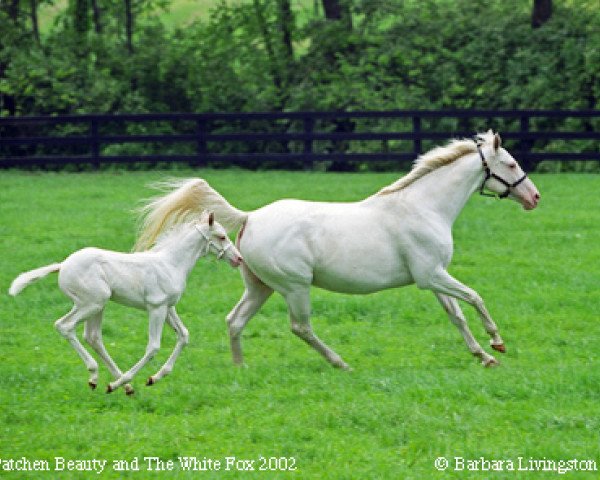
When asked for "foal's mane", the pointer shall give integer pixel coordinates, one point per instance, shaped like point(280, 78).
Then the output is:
point(434, 159)
point(172, 234)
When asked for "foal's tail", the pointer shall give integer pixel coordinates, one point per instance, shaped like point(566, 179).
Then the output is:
point(183, 201)
point(27, 278)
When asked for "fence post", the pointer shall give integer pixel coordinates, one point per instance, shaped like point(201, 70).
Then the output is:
point(309, 123)
point(525, 144)
point(417, 146)
point(94, 133)
point(201, 146)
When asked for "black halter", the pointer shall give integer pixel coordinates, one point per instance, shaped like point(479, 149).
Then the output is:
point(489, 174)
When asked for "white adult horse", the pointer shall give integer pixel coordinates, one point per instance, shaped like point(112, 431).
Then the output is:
point(398, 236)
point(152, 281)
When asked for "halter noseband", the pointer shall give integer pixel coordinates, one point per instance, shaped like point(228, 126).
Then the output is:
point(489, 174)
point(209, 243)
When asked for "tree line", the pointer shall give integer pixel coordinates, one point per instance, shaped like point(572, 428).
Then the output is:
point(282, 55)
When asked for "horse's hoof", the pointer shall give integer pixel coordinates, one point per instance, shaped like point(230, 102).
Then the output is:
point(92, 385)
point(129, 392)
point(109, 389)
point(491, 362)
point(150, 382)
point(499, 347)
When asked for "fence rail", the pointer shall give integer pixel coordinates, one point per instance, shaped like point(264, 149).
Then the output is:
point(289, 138)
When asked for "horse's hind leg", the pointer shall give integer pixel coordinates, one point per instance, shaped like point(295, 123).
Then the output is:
point(66, 327)
point(298, 303)
point(457, 318)
point(254, 297)
point(182, 340)
point(92, 332)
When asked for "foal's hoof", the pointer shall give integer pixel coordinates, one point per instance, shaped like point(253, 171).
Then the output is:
point(109, 389)
point(490, 362)
point(341, 365)
point(150, 382)
point(92, 385)
point(499, 347)
point(129, 390)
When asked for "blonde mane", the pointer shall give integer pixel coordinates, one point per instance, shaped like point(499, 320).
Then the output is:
point(171, 235)
point(436, 158)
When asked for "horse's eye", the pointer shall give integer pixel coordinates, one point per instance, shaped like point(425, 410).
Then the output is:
point(513, 165)
point(222, 238)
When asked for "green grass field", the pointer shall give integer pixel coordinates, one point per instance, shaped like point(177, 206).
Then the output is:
point(415, 393)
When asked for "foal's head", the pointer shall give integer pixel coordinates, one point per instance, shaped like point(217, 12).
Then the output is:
point(217, 240)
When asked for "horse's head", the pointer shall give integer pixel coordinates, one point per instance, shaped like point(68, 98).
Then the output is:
point(218, 242)
point(504, 176)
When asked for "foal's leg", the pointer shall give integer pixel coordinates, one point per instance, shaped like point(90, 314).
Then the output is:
point(442, 282)
point(182, 340)
point(92, 332)
point(254, 297)
point(298, 303)
point(66, 327)
point(157, 320)
point(457, 318)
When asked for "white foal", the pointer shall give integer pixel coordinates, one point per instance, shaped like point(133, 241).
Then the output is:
point(152, 281)
point(399, 236)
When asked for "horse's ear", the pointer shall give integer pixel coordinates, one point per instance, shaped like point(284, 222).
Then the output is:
point(497, 142)
point(211, 219)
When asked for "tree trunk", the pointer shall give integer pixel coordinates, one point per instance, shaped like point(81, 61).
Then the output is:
point(34, 21)
point(286, 26)
point(541, 13)
point(96, 16)
point(81, 17)
point(338, 10)
point(272, 58)
point(129, 26)
point(13, 11)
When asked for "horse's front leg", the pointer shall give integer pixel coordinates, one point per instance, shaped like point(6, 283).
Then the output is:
point(442, 282)
point(157, 320)
point(456, 316)
point(183, 338)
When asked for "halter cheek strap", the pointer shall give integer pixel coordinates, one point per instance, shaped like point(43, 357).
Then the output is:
point(209, 243)
point(489, 174)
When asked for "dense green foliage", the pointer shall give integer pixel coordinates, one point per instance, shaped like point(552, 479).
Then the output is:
point(415, 392)
point(285, 55)
point(409, 54)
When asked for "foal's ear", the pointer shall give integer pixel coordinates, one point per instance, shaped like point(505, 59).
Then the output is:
point(211, 219)
point(497, 142)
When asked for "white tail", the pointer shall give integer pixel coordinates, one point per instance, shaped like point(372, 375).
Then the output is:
point(185, 199)
point(27, 278)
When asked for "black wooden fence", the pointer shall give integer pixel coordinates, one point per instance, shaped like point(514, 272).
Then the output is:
point(289, 139)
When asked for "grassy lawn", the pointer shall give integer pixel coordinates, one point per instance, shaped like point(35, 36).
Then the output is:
point(415, 393)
